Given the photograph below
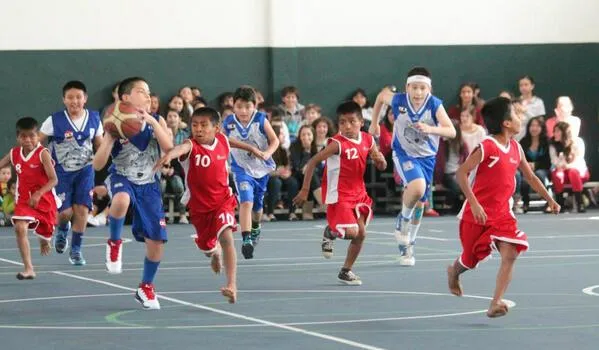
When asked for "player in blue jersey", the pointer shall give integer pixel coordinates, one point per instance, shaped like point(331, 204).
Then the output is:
point(133, 181)
point(72, 134)
point(253, 141)
point(420, 120)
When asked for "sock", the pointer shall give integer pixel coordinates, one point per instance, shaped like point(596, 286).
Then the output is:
point(255, 225)
point(64, 226)
point(116, 228)
point(150, 268)
point(406, 212)
point(76, 242)
point(417, 217)
point(245, 235)
point(403, 218)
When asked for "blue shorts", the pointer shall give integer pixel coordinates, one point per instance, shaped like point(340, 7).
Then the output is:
point(148, 215)
point(75, 187)
point(410, 169)
point(250, 189)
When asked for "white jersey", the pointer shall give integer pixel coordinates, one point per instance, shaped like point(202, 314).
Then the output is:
point(407, 140)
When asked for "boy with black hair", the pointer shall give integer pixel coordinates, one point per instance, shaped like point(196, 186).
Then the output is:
point(486, 220)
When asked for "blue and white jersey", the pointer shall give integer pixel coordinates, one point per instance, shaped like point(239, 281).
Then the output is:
point(134, 158)
point(407, 140)
point(71, 144)
point(253, 133)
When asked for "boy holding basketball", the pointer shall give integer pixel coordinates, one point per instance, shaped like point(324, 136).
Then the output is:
point(253, 141)
point(208, 195)
point(486, 220)
point(133, 181)
point(72, 134)
point(36, 203)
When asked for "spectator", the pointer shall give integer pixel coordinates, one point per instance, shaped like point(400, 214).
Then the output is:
point(533, 105)
point(196, 92)
point(187, 95)
point(177, 103)
point(199, 102)
point(465, 100)
point(173, 121)
point(472, 134)
point(225, 99)
point(311, 113)
point(536, 149)
point(301, 151)
point(292, 110)
point(563, 113)
point(8, 204)
point(275, 116)
point(386, 138)
point(568, 165)
point(154, 104)
point(452, 153)
point(5, 175)
point(324, 129)
point(359, 96)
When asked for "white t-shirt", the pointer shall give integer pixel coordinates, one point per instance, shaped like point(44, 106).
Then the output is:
point(472, 139)
point(48, 127)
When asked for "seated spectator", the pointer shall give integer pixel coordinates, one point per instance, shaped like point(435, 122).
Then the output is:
point(301, 151)
point(472, 134)
point(507, 94)
point(225, 99)
point(386, 137)
point(563, 113)
point(154, 104)
point(176, 103)
point(533, 105)
point(275, 116)
point(226, 111)
point(8, 204)
point(452, 153)
point(465, 100)
point(536, 149)
point(199, 102)
point(311, 113)
point(98, 216)
point(280, 179)
point(196, 92)
point(324, 129)
point(359, 96)
point(480, 102)
point(5, 176)
point(187, 95)
point(173, 121)
point(292, 110)
point(171, 182)
point(259, 96)
point(567, 164)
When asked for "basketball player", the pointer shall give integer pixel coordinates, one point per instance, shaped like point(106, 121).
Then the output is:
point(208, 196)
point(72, 134)
point(486, 219)
point(133, 181)
point(36, 205)
point(349, 207)
point(420, 120)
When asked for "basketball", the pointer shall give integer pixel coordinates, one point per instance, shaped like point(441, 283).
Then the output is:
point(122, 120)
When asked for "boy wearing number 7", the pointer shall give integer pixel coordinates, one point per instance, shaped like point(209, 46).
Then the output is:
point(208, 196)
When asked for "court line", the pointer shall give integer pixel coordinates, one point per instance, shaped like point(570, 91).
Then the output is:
point(232, 314)
point(591, 290)
point(419, 236)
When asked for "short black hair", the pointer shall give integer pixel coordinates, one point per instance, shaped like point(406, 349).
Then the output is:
point(419, 71)
point(349, 107)
point(126, 85)
point(26, 124)
point(199, 99)
point(74, 84)
point(207, 112)
point(245, 93)
point(290, 90)
point(532, 81)
point(495, 112)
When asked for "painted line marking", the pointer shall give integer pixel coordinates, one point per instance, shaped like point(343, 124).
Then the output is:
point(419, 237)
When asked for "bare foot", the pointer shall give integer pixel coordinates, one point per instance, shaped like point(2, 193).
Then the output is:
point(453, 281)
point(215, 263)
point(497, 309)
point(45, 247)
point(229, 293)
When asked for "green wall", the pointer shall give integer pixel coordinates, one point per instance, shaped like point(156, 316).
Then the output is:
point(30, 81)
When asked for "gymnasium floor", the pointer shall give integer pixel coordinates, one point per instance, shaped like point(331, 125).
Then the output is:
point(289, 297)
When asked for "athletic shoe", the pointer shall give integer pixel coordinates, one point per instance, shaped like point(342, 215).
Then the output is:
point(76, 258)
point(407, 258)
point(247, 248)
point(61, 240)
point(349, 278)
point(114, 256)
point(255, 235)
point(146, 296)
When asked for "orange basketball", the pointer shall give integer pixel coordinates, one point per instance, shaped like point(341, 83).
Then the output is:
point(122, 120)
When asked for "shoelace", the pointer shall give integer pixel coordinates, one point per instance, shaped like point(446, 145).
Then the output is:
point(114, 251)
point(148, 290)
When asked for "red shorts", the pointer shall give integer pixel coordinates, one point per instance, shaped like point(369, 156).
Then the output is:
point(479, 240)
point(209, 225)
point(41, 222)
point(344, 215)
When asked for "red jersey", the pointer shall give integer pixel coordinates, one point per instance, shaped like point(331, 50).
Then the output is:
point(31, 176)
point(493, 181)
point(343, 178)
point(207, 175)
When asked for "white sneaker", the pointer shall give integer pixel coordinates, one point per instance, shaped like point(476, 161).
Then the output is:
point(101, 219)
point(114, 256)
point(183, 220)
point(146, 296)
point(408, 259)
point(401, 232)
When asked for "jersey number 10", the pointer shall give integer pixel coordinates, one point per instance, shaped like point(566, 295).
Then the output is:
point(202, 160)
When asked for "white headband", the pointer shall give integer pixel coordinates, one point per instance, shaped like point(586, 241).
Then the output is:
point(419, 79)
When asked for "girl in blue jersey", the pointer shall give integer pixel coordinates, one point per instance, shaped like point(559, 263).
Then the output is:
point(420, 120)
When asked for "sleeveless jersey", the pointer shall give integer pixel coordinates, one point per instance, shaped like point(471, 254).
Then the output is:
point(343, 178)
point(134, 158)
point(407, 140)
point(253, 134)
point(493, 181)
point(207, 175)
point(71, 148)
point(31, 176)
